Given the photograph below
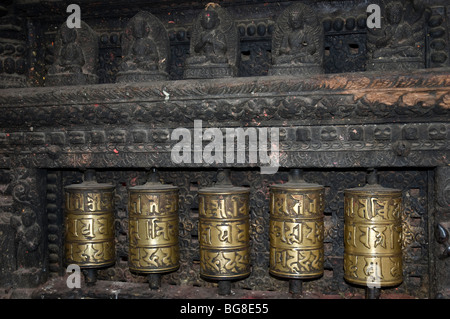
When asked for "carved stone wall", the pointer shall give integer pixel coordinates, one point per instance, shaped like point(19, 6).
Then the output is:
point(334, 125)
point(344, 25)
point(335, 143)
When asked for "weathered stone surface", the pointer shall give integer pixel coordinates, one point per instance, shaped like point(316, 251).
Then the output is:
point(335, 126)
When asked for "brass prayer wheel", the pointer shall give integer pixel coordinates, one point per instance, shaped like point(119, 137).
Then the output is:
point(89, 223)
point(296, 229)
point(373, 236)
point(223, 232)
point(153, 228)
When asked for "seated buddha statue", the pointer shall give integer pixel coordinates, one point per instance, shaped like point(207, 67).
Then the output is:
point(396, 40)
point(297, 45)
point(70, 58)
point(143, 53)
point(211, 45)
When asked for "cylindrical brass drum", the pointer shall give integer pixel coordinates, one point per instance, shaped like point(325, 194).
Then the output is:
point(296, 230)
point(89, 224)
point(223, 233)
point(153, 228)
point(373, 236)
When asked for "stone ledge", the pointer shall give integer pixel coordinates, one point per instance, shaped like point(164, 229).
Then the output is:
point(57, 289)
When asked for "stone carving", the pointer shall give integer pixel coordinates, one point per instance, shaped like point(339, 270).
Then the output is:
point(76, 55)
point(399, 44)
point(329, 122)
point(13, 57)
point(345, 43)
point(438, 45)
point(214, 45)
point(297, 43)
point(145, 50)
point(26, 223)
point(28, 237)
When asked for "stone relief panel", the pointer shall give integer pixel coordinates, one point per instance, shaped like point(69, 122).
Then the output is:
point(400, 42)
point(23, 233)
point(108, 127)
point(297, 42)
point(145, 49)
point(76, 57)
point(13, 48)
point(214, 45)
point(348, 45)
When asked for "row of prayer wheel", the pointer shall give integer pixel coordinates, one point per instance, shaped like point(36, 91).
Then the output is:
point(372, 231)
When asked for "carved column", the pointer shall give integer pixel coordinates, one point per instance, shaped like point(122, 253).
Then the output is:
point(26, 264)
point(441, 232)
point(13, 64)
point(438, 37)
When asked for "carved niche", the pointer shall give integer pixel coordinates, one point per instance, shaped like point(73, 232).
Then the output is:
point(297, 42)
point(214, 47)
point(145, 49)
point(76, 57)
point(400, 42)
